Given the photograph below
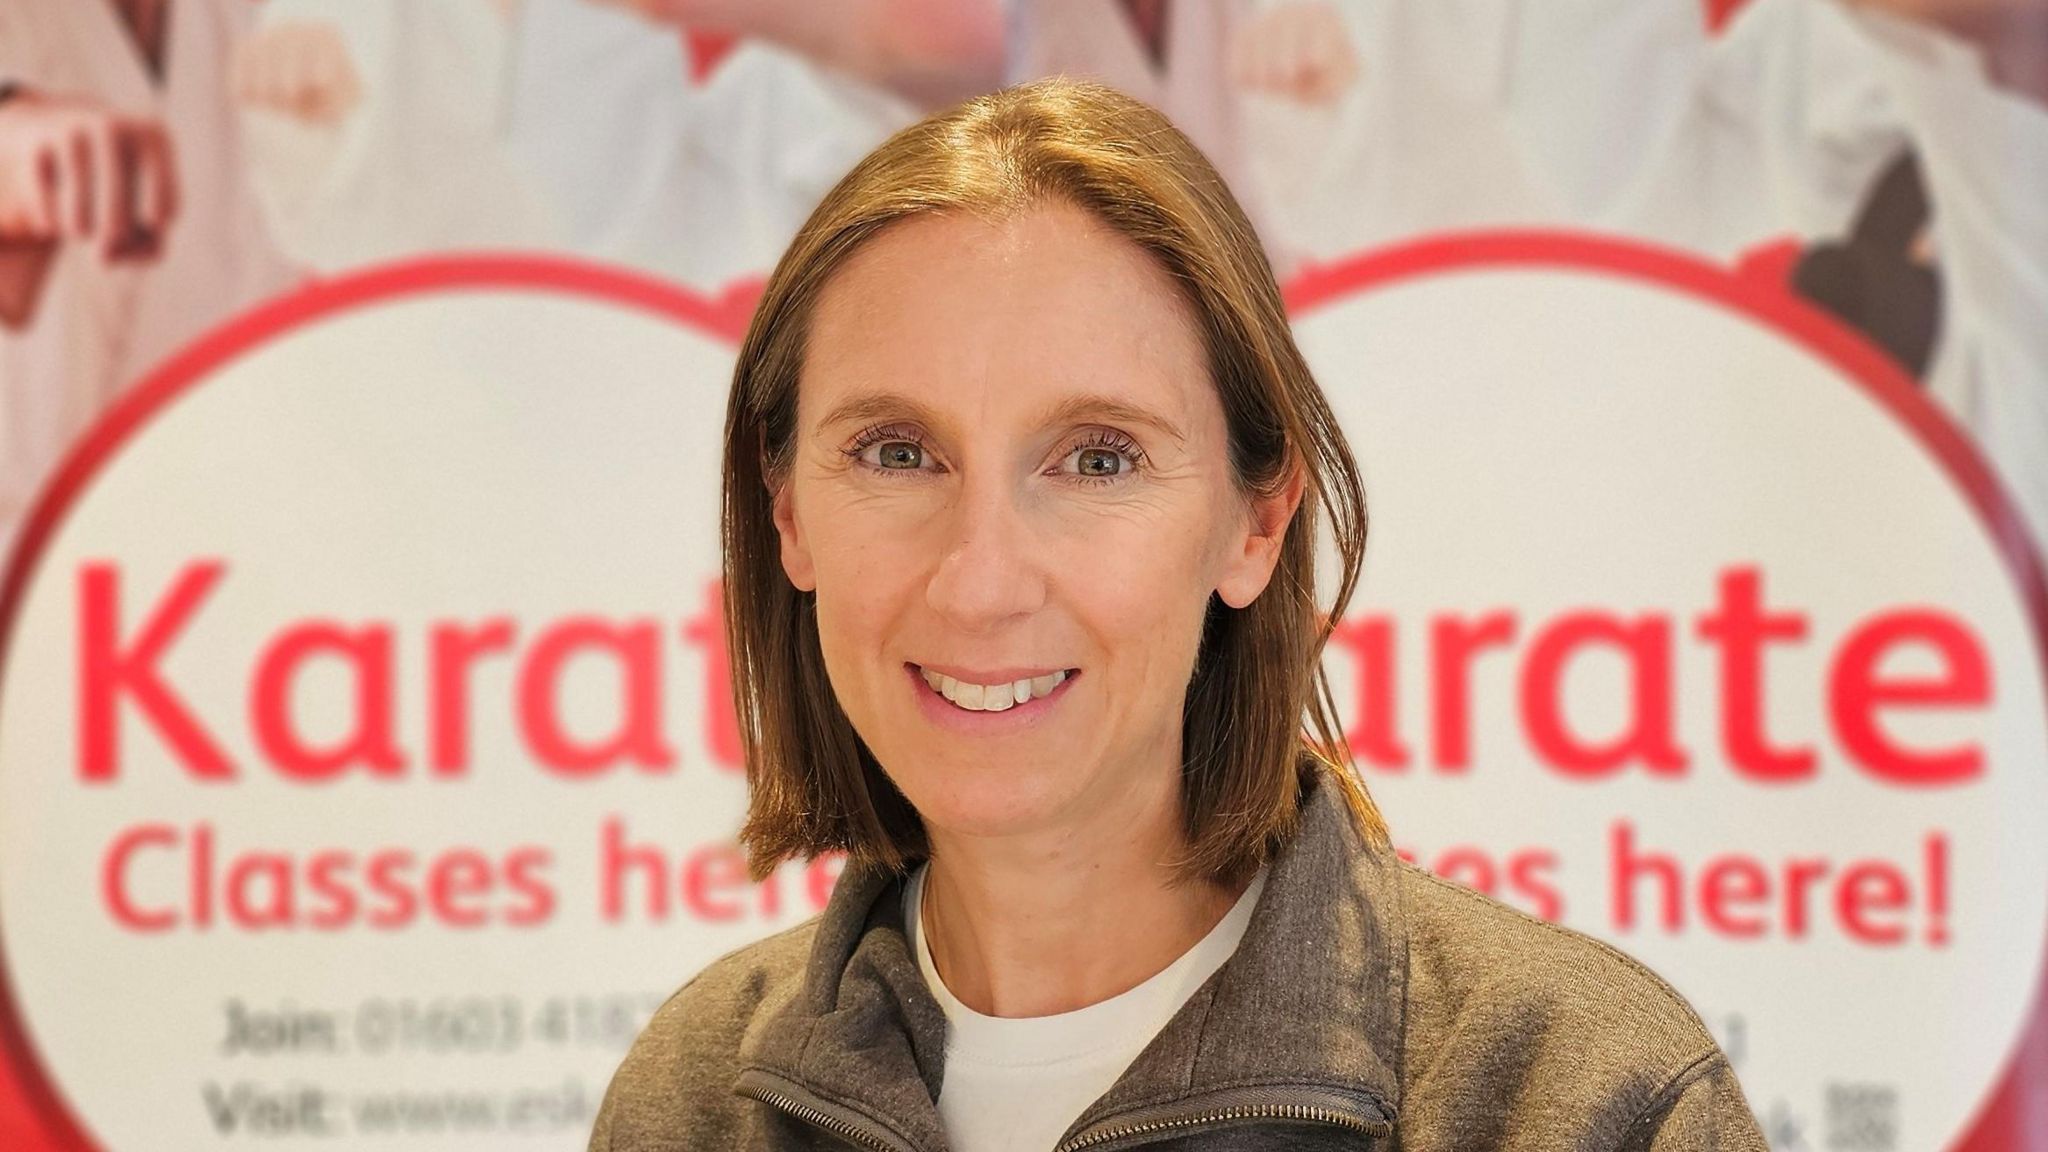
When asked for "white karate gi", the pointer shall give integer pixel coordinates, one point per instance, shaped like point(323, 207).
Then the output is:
point(99, 326)
point(571, 127)
point(1095, 39)
point(1627, 117)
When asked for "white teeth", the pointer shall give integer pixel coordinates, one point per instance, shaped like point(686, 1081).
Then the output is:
point(992, 697)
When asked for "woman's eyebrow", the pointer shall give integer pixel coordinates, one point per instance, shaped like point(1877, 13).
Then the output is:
point(1087, 407)
point(867, 406)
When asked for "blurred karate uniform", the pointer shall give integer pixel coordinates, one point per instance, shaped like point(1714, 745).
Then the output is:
point(705, 179)
point(376, 129)
point(98, 324)
point(560, 125)
point(1474, 113)
point(1632, 118)
point(1985, 155)
point(1172, 54)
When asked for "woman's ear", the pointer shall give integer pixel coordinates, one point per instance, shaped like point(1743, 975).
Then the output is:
point(796, 552)
point(1255, 549)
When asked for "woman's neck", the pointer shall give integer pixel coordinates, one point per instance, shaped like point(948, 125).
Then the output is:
point(1058, 919)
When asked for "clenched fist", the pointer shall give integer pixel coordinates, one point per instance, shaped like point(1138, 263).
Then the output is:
point(1300, 52)
point(71, 170)
point(301, 69)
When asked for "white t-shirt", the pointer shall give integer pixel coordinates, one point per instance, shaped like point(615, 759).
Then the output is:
point(1014, 1085)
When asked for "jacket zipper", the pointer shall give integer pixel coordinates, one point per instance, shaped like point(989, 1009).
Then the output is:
point(777, 1092)
point(1378, 1129)
point(773, 1090)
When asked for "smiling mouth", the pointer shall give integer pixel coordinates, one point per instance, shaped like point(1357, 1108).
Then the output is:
point(998, 697)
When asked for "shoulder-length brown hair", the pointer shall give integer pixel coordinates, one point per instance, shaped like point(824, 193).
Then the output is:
point(814, 785)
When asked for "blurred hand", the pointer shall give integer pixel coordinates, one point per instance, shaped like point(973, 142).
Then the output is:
point(301, 69)
point(1298, 51)
point(73, 170)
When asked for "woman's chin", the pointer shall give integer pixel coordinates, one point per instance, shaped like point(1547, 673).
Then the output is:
point(984, 801)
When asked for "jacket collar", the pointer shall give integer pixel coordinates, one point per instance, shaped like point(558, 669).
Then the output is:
point(1314, 997)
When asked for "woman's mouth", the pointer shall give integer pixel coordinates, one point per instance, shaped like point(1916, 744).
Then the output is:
point(1008, 690)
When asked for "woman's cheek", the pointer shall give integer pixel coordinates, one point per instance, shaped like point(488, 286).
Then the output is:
point(854, 531)
point(1148, 587)
point(1149, 547)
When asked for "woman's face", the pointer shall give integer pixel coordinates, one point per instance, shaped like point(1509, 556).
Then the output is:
point(1011, 466)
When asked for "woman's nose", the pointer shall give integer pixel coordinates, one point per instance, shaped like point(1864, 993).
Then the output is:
point(989, 573)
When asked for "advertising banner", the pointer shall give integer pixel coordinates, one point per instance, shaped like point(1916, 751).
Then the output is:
point(368, 766)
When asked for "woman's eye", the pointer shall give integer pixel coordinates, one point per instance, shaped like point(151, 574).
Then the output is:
point(1099, 462)
point(897, 455)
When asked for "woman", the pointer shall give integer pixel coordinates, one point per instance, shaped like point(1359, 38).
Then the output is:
point(1023, 480)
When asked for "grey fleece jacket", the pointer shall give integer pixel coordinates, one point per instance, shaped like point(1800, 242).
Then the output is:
point(1368, 1006)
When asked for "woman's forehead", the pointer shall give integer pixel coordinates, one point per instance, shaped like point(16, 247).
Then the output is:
point(1049, 313)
